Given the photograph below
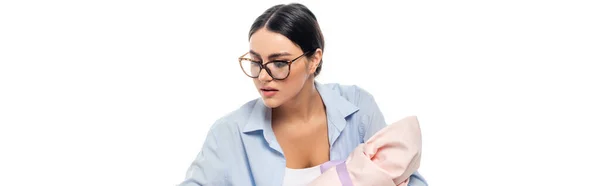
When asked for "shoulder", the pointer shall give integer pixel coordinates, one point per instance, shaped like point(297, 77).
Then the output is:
point(366, 117)
point(353, 93)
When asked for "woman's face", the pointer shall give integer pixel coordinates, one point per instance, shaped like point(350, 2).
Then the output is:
point(267, 46)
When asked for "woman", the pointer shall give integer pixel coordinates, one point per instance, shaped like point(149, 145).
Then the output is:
point(298, 124)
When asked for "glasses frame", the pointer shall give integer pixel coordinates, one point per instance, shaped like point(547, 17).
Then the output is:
point(264, 66)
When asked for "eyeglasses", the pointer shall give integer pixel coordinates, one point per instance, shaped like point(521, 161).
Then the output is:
point(277, 69)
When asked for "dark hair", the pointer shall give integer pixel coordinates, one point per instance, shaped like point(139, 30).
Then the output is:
point(297, 23)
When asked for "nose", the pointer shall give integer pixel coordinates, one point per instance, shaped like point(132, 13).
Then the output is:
point(263, 75)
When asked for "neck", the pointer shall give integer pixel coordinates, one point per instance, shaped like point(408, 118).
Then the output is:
point(303, 106)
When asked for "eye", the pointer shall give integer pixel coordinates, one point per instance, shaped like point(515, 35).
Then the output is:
point(280, 64)
point(256, 64)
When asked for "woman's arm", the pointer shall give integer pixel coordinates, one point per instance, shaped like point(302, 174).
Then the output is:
point(374, 121)
point(208, 168)
point(417, 180)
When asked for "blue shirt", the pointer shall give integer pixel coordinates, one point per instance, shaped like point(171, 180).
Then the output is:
point(241, 148)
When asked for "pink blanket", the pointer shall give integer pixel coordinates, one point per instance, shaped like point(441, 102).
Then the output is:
point(388, 158)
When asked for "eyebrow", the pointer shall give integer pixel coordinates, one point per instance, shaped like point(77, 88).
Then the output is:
point(271, 56)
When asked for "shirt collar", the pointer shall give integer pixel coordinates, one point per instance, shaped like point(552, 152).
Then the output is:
point(337, 109)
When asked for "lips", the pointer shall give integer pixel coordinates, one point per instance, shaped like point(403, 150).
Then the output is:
point(268, 91)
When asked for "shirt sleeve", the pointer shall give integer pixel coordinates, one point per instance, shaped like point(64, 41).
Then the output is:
point(417, 180)
point(209, 167)
point(375, 122)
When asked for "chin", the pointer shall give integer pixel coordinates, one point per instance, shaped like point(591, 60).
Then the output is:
point(271, 103)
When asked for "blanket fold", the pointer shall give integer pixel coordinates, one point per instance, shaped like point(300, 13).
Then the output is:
point(387, 158)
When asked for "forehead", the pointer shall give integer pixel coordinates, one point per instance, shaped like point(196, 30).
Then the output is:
point(266, 42)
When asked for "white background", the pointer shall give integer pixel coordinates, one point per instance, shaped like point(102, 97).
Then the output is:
point(122, 92)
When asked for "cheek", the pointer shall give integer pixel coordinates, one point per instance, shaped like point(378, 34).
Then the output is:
point(298, 75)
point(297, 78)
point(300, 69)
point(256, 82)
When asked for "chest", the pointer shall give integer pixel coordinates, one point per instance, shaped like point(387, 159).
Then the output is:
point(262, 162)
point(303, 144)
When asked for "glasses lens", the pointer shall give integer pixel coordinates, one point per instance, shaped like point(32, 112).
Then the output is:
point(251, 68)
point(279, 70)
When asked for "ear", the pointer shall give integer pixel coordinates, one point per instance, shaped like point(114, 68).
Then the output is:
point(315, 60)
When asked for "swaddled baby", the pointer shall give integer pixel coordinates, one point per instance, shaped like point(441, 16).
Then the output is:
point(388, 158)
